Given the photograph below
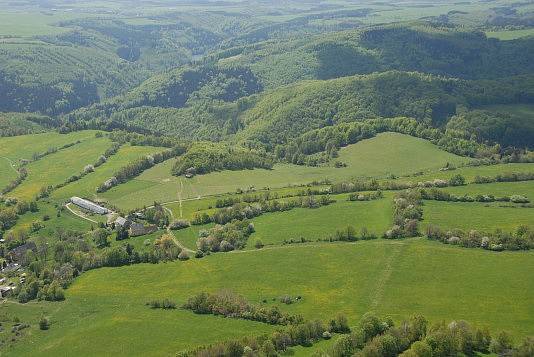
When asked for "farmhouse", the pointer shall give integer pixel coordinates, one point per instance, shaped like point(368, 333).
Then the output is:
point(88, 205)
point(122, 222)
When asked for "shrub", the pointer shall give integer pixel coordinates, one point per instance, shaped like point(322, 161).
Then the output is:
point(259, 244)
point(165, 304)
point(44, 324)
point(179, 224)
point(183, 255)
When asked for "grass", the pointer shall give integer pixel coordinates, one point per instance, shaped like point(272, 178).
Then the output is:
point(57, 167)
point(189, 236)
point(391, 153)
point(86, 187)
point(498, 189)
point(7, 172)
point(313, 224)
point(480, 216)
point(507, 35)
point(397, 278)
point(470, 172)
point(24, 146)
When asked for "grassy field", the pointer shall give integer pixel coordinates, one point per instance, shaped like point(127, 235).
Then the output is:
point(57, 167)
point(498, 189)
point(313, 224)
point(7, 172)
point(398, 278)
point(507, 35)
point(480, 216)
point(392, 154)
point(24, 146)
point(471, 172)
point(86, 187)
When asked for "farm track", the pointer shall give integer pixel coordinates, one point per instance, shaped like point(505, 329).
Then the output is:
point(11, 164)
point(385, 275)
point(79, 215)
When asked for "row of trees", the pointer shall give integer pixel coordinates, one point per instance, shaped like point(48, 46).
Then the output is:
point(374, 336)
point(407, 213)
point(440, 195)
point(506, 177)
point(241, 211)
point(135, 168)
point(360, 185)
point(521, 239)
point(228, 304)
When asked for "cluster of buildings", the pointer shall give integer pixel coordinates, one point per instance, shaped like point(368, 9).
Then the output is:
point(134, 228)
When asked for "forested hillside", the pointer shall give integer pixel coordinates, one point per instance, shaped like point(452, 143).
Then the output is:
point(458, 70)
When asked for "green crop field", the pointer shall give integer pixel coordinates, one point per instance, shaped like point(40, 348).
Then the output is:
point(392, 154)
point(479, 216)
point(57, 167)
point(397, 278)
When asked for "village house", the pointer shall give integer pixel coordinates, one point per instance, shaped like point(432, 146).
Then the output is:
point(122, 222)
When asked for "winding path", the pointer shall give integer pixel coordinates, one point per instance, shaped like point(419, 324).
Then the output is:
point(78, 214)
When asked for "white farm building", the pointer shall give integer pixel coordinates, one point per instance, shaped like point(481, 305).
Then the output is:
point(88, 205)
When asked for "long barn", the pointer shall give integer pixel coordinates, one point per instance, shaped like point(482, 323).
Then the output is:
point(88, 205)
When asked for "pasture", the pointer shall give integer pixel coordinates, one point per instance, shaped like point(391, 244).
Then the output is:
point(55, 168)
point(24, 146)
point(485, 217)
point(507, 35)
point(319, 223)
point(498, 189)
point(392, 153)
point(86, 187)
point(7, 172)
point(396, 278)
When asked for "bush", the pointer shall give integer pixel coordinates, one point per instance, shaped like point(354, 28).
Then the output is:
point(44, 324)
point(259, 244)
point(179, 224)
point(183, 255)
point(165, 304)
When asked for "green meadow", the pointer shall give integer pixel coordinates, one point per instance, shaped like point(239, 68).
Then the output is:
point(470, 172)
point(485, 217)
point(24, 146)
point(7, 172)
point(507, 35)
point(319, 223)
point(86, 187)
point(392, 153)
point(396, 278)
point(55, 168)
point(498, 189)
